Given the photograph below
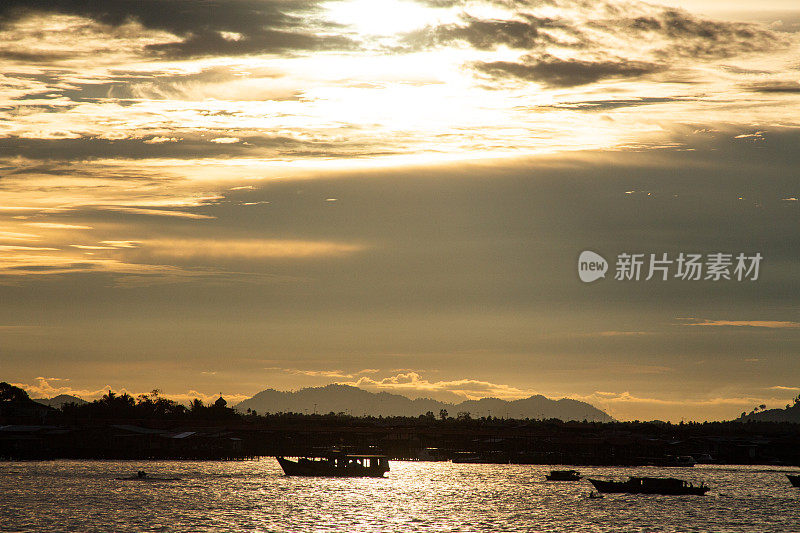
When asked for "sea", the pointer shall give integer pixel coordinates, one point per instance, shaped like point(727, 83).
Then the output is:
point(247, 496)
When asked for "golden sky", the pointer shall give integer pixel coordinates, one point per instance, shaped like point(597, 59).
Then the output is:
point(231, 195)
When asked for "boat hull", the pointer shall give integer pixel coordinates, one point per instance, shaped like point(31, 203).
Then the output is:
point(307, 468)
point(563, 475)
point(148, 478)
point(795, 480)
point(637, 487)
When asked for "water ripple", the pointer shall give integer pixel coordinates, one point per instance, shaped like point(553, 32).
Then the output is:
point(415, 497)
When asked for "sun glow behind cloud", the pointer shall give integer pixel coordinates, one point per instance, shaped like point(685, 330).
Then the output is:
point(475, 78)
point(139, 147)
point(472, 80)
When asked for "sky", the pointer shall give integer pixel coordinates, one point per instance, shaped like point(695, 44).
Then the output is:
point(223, 196)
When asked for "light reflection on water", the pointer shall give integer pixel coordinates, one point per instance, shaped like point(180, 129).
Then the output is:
point(415, 496)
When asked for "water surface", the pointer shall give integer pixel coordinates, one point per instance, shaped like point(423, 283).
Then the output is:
point(83, 496)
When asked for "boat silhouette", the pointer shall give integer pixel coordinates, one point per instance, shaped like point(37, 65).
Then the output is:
point(650, 485)
point(336, 464)
point(563, 475)
point(141, 475)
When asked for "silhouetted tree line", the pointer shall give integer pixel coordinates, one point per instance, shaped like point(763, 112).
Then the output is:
point(10, 393)
point(93, 430)
point(156, 408)
point(151, 406)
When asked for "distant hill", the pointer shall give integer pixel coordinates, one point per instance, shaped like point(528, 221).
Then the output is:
point(358, 402)
point(60, 400)
point(790, 414)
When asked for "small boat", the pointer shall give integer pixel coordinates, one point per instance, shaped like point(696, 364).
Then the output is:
point(471, 459)
point(680, 460)
point(336, 464)
point(795, 480)
point(595, 495)
point(650, 485)
point(141, 475)
point(563, 475)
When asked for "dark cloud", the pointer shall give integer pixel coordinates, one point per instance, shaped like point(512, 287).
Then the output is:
point(740, 70)
point(523, 34)
point(35, 57)
point(178, 16)
point(683, 34)
point(131, 85)
point(788, 87)
point(93, 147)
point(260, 26)
point(182, 146)
point(660, 38)
point(24, 109)
point(213, 43)
point(53, 268)
point(690, 36)
point(181, 17)
point(241, 27)
point(604, 105)
point(555, 72)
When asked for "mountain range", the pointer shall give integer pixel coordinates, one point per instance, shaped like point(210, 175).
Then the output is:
point(59, 401)
point(359, 402)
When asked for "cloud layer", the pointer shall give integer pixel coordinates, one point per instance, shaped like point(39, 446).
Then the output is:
point(412, 384)
point(201, 28)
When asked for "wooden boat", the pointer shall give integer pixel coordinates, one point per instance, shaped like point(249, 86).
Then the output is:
point(336, 464)
point(471, 459)
point(142, 476)
point(563, 475)
point(795, 480)
point(679, 460)
point(650, 485)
